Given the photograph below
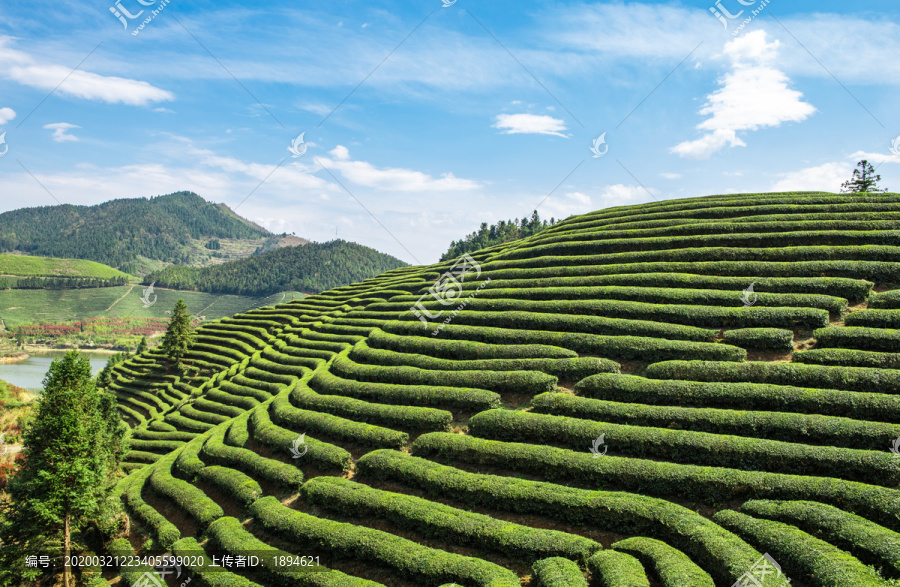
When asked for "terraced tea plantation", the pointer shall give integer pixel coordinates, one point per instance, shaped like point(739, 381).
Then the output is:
point(685, 393)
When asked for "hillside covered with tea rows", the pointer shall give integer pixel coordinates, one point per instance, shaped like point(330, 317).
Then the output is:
point(671, 394)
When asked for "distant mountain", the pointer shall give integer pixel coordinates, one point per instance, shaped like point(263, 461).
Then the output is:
point(125, 233)
point(310, 268)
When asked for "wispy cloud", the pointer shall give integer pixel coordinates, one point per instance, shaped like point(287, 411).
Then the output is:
point(753, 95)
point(59, 131)
point(530, 124)
point(394, 178)
point(21, 67)
point(874, 157)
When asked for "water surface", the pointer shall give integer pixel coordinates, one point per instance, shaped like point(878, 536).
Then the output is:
point(30, 372)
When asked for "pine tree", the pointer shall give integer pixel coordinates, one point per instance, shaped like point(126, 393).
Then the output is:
point(67, 477)
point(179, 335)
point(863, 181)
point(142, 346)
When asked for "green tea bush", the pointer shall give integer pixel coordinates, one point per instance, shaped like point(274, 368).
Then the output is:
point(774, 339)
point(691, 482)
point(611, 347)
point(321, 455)
point(557, 572)
point(283, 475)
point(855, 337)
point(187, 497)
point(716, 549)
point(610, 568)
point(402, 556)
point(574, 369)
point(874, 318)
point(688, 446)
point(869, 542)
point(795, 549)
point(673, 567)
point(234, 484)
point(435, 520)
point(774, 425)
point(164, 531)
point(325, 382)
point(410, 417)
point(848, 358)
point(335, 427)
point(498, 381)
point(839, 287)
point(459, 350)
point(743, 396)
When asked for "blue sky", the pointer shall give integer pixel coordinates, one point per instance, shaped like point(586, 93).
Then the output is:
point(421, 121)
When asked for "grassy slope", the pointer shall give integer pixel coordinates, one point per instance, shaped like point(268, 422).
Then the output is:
point(22, 306)
point(26, 266)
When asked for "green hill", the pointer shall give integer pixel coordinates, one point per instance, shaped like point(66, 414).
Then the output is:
point(171, 229)
point(310, 268)
point(27, 266)
point(655, 394)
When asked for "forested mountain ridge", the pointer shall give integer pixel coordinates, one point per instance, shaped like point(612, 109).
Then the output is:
point(116, 233)
point(310, 268)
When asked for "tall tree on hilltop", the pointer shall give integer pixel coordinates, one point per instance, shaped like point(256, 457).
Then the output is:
point(179, 335)
point(863, 181)
point(142, 346)
point(66, 480)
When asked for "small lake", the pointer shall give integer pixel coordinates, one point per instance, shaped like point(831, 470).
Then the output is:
point(30, 372)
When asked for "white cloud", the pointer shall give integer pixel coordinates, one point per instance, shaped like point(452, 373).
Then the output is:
point(753, 95)
point(572, 203)
point(6, 114)
point(827, 178)
point(530, 124)
point(567, 205)
point(59, 131)
point(623, 195)
point(670, 175)
point(24, 69)
point(875, 157)
point(340, 153)
point(393, 178)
